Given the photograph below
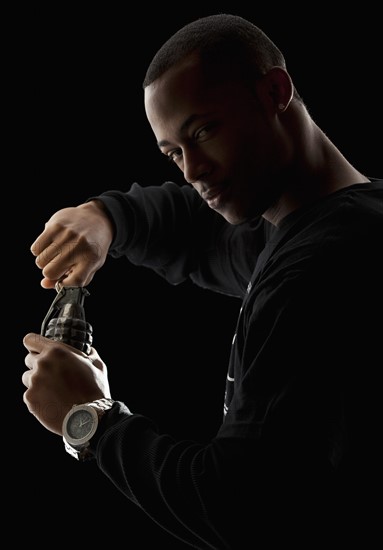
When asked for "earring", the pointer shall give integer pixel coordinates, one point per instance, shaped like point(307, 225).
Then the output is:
point(281, 106)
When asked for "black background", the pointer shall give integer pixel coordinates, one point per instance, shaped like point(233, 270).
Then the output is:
point(84, 131)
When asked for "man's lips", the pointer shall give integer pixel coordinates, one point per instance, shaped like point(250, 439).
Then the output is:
point(213, 196)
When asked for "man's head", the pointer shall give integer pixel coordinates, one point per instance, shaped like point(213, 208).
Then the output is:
point(213, 93)
point(226, 43)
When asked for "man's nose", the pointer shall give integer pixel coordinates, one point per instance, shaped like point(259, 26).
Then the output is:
point(196, 166)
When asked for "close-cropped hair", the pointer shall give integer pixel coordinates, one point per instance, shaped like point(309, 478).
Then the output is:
point(228, 46)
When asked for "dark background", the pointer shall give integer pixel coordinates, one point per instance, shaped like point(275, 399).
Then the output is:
point(84, 131)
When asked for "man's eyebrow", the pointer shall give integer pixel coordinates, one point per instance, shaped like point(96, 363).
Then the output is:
point(184, 127)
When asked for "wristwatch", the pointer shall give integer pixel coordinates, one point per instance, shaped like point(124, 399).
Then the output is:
point(80, 425)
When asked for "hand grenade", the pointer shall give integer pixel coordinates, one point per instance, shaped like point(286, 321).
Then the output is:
point(65, 320)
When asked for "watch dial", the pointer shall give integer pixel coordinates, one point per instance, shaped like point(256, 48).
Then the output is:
point(80, 424)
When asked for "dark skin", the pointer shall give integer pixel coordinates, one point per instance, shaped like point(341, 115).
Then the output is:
point(243, 141)
point(236, 144)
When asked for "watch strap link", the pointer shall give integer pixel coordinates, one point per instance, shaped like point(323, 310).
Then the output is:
point(102, 405)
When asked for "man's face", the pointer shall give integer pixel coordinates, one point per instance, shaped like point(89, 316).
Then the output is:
point(220, 136)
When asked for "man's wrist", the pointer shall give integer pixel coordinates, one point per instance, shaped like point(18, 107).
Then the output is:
point(80, 427)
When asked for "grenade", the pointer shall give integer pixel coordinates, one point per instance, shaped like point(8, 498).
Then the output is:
point(65, 320)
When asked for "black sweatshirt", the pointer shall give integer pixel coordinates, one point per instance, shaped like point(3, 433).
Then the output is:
point(296, 456)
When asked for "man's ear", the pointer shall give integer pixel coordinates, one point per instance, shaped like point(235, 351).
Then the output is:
point(275, 89)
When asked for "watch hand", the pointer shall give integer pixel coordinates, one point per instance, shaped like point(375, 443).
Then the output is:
point(83, 423)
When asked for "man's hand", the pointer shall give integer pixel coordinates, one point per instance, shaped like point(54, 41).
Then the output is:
point(73, 245)
point(58, 377)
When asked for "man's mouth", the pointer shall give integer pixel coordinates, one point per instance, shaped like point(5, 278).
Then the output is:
point(214, 196)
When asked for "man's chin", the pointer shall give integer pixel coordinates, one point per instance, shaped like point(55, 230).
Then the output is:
point(233, 218)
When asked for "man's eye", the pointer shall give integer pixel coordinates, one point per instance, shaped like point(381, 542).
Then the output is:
point(205, 131)
point(174, 156)
point(201, 133)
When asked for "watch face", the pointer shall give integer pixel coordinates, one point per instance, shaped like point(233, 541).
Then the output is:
point(80, 425)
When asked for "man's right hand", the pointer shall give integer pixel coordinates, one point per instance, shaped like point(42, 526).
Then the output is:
point(73, 245)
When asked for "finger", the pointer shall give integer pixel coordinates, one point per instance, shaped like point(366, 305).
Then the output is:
point(48, 283)
point(43, 241)
point(72, 264)
point(47, 253)
point(95, 359)
point(30, 360)
point(35, 343)
point(40, 244)
point(78, 275)
point(26, 378)
point(57, 259)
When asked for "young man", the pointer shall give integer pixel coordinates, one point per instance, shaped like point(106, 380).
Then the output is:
point(272, 213)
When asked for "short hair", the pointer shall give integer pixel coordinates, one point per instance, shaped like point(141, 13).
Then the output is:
point(227, 45)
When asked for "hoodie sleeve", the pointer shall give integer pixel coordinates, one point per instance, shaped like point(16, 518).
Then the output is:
point(171, 230)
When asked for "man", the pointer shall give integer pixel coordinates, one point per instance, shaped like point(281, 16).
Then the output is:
point(276, 215)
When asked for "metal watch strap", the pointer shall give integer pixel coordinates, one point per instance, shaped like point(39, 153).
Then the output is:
point(104, 404)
